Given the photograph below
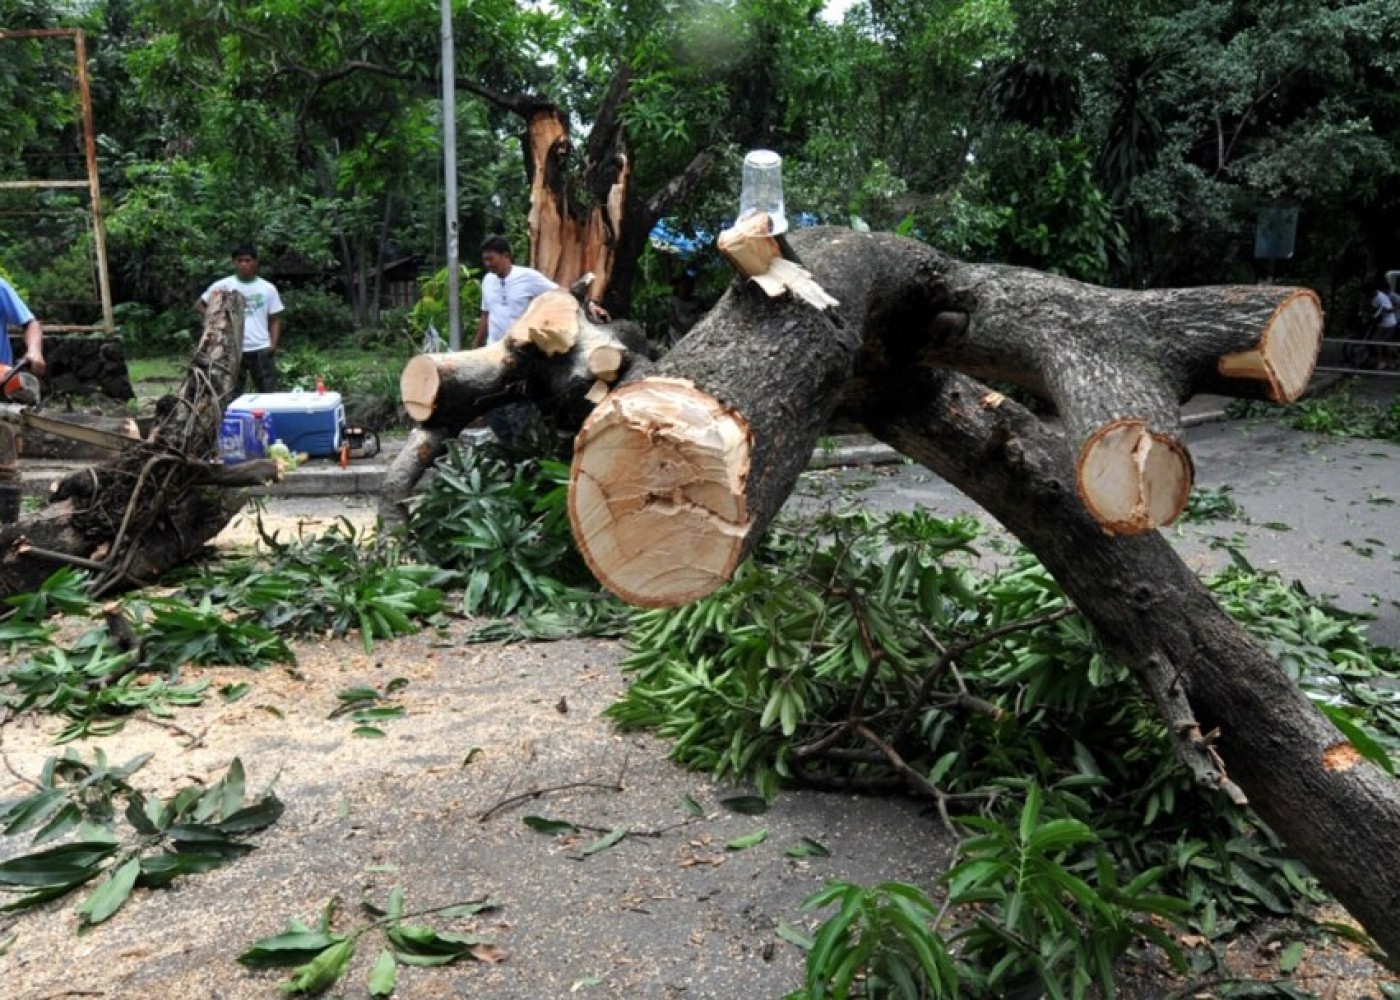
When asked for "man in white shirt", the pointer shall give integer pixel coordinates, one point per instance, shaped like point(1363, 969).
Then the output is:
point(507, 290)
point(262, 320)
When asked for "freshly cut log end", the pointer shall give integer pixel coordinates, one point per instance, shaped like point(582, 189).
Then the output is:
point(657, 492)
point(418, 386)
point(605, 362)
point(1287, 349)
point(1131, 480)
point(550, 323)
point(433, 382)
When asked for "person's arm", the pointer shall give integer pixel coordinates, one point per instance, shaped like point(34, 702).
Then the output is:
point(201, 307)
point(274, 331)
point(34, 347)
point(481, 327)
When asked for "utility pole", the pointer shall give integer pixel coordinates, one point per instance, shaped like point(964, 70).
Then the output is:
point(449, 170)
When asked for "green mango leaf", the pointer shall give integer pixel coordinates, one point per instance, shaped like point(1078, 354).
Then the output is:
point(692, 807)
point(68, 864)
point(258, 816)
point(29, 811)
point(1289, 959)
point(291, 947)
point(368, 732)
point(793, 936)
point(748, 840)
point(319, 974)
point(384, 976)
point(604, 842)
point(418, 945)
point(552, 827)
point(807, 848)
point(108, 897)
point(232, 692)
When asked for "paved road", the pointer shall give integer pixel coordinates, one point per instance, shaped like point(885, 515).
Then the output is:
point(1321, 510)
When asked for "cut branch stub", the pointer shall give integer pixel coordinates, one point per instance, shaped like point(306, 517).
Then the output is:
point(1133, 480)
point(756, 255)
point(1287, 350)
point(550, 323)
point(657, 492)
point(446, 390)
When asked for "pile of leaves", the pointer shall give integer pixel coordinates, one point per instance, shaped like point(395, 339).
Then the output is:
point(500, 521)
point(1338, 412)
point(863, 651)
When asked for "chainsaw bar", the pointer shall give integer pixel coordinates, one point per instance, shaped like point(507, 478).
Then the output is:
point(24, 418)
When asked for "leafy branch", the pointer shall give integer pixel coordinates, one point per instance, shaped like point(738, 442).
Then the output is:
point(319, 957)
point(196, 830)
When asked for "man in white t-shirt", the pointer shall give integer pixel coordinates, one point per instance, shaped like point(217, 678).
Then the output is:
point(262, 320)
point(508, 289)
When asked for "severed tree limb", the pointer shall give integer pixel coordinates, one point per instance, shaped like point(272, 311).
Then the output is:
point(422, 448)
point(1335, 811)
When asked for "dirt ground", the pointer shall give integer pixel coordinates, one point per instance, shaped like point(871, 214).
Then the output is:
point(437, 805)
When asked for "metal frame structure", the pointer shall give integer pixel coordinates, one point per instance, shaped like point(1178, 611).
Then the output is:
point(99, 231)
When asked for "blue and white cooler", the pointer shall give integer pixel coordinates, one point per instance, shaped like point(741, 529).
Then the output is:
point(309, 422)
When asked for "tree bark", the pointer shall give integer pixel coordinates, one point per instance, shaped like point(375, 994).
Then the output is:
point(149, 508)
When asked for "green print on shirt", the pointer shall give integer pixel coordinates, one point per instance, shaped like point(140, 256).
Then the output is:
point(252, 303)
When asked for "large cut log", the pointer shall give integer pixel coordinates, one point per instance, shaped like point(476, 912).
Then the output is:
point(919, 314)
point(154, 505)
point(677, 474)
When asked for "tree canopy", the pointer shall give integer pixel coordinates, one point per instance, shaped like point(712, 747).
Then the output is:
point(1124, 143)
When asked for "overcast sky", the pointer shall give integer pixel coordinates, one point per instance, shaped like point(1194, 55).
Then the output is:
point(835, 10)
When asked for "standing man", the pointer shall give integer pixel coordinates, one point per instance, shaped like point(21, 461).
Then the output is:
point(506, 292)
point(13, 312)
point(262, 319)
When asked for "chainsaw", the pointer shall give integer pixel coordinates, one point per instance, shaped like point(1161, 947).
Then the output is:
point(20, 404)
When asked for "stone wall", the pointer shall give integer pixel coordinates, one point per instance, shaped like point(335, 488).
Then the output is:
point(83, 366)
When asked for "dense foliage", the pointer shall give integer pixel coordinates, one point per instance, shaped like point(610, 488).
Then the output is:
point(1128, 143)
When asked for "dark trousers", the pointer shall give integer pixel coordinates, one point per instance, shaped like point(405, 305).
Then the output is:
point(261, 367)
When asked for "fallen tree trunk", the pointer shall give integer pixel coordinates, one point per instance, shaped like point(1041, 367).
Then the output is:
point(1335, 810)
point(152, 506)
point(920, 315)
point(712, 438)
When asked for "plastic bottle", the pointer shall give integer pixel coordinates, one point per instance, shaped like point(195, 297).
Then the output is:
point(262, 434)
point(320, 385)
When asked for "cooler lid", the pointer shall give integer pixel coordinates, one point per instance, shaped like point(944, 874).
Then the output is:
point(287, 402)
